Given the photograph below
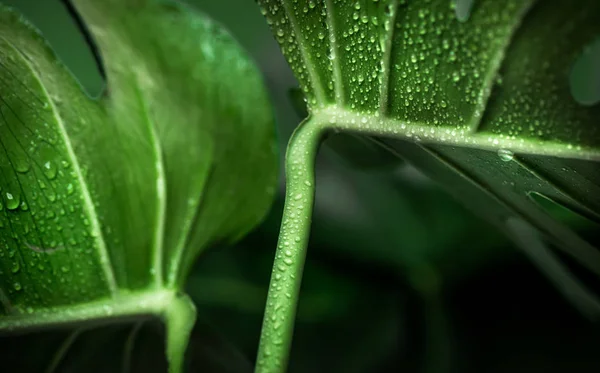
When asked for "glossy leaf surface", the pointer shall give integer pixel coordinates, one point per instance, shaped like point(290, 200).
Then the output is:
point(107, 202)
point(475, 94)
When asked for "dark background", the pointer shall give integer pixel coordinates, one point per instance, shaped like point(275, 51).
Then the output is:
point(399, 277)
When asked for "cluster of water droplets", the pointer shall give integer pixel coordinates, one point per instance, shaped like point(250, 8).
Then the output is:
point(434, 67)
point(299, 27)
point(45, 238)
point(533, 103)
point(422, 62)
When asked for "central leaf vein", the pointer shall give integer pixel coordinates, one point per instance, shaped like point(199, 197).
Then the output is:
point(314, 77)
point(161, 192)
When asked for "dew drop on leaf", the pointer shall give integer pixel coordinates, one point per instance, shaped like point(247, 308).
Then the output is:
point(16, 267)
point(50, 170)
point(506, 155)
point(463, 9)
point(12, 200)
point(21, 165)
point(51, 196)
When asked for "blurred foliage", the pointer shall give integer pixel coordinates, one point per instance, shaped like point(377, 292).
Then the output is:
point(399, 277)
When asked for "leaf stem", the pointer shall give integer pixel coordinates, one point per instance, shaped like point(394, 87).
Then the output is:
point(176, 310)
point(179, 317)
point(124, 307)
point(284, 288)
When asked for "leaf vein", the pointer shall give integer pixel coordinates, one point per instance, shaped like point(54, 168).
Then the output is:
point(314, 77)
point(161, 190)
point(384, 91)
point(492, 73)
point(335, 60)
point(87, 198)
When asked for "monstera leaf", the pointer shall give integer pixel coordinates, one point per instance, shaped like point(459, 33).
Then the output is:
point(107, 202)
point(476, 94)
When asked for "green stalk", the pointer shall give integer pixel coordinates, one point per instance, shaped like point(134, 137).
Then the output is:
point(179, 317)
point(284, 288)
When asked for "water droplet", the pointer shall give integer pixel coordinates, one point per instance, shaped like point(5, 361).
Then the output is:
point(16, 267)
point(506, 155)
point(50, 170)
point(12, 200)
point(463, 9)
point(17, 286)
point(21, 165)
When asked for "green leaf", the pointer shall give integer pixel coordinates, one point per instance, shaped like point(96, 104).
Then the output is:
point(482, 104)
point(474, 94)
point(107, 202)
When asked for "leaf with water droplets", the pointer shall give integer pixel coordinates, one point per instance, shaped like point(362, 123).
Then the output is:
point(105, 203)
point(360, 151)
point(477, 94)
